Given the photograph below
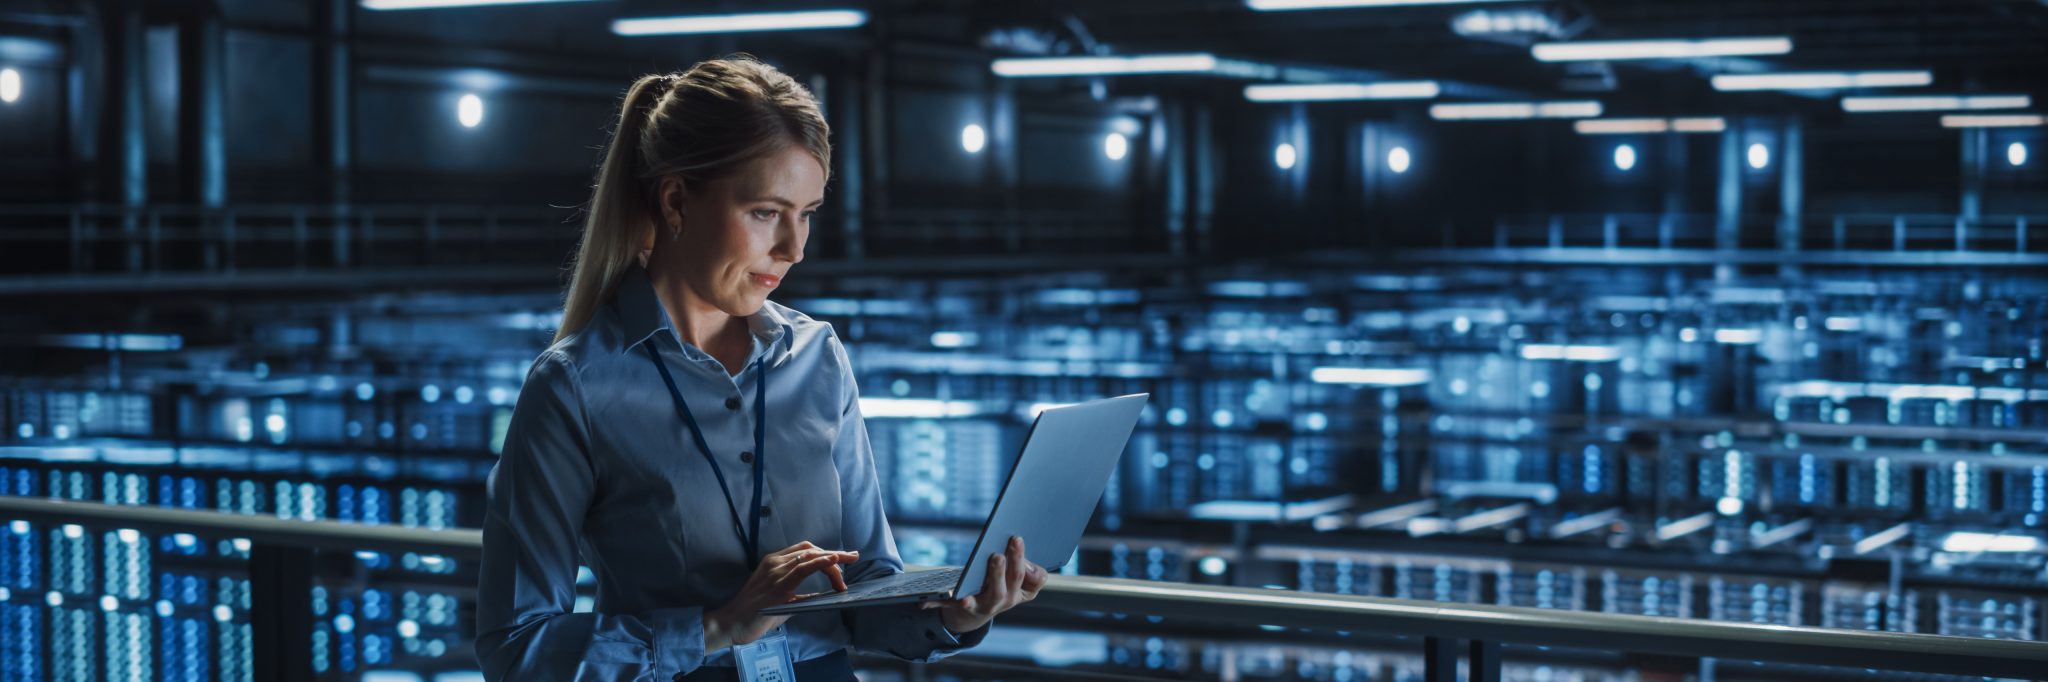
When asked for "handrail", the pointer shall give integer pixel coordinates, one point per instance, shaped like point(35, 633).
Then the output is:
point(335, 535)
point(1484, 626)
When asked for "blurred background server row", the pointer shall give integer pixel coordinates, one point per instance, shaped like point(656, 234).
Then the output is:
point(1713, 310)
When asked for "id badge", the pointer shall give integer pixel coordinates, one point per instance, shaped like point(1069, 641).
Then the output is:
point(765, 659)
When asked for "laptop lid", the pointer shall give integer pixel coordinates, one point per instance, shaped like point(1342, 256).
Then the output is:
point(1053, 487)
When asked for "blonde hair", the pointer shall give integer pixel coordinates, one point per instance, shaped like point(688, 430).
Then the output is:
point(699, 125)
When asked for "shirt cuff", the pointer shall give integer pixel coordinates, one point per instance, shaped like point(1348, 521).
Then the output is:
point(946, 641)
point(678, 639)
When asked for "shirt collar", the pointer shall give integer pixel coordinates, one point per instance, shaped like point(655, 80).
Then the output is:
point(641, 316)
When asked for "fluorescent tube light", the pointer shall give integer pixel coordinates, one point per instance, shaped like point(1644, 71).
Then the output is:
point(438, 4)
point(1935, 103)
point(1823, 80)
point(1287, 5)
point(1993, 121)
point(1514, 110)
point(740, 23)
point(1626, 126)
point(1104, 66)
point(1705, 124)
point(1967, 542)
point(1334, 92)
point(1369, 376)
point(1621, 126)
point(1608, 50)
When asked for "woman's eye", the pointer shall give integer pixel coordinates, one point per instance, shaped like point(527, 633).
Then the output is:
point(764, 214)
point(808, 214)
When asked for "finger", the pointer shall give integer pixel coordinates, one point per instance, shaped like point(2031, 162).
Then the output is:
point(782, 557)
point(1035, 580)
point(796, 557)
point(793, 548)
point(838, 577)
point(993, 587)
point(1018, 565)
point(804, 570)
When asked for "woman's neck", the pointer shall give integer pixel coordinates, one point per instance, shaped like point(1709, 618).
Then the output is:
point(701, 324)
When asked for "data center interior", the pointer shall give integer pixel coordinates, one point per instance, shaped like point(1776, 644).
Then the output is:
point(1723, 311)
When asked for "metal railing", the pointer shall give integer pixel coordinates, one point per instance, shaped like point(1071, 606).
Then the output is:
point(281, 573)
point(101, 238)
point(1840, 232)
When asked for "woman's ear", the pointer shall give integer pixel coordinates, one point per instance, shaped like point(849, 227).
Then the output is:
point(671, 194)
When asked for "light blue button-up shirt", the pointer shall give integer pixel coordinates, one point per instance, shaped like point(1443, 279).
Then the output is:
point(597, 466)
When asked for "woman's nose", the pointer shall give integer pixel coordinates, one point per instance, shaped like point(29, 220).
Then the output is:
point(789, 242)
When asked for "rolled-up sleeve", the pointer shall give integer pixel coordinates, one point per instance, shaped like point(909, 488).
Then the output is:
point(539, 492)
point(905, 631)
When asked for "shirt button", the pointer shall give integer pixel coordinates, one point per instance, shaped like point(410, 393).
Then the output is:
point(747, 457)
point(767, 510)
point(732, 403)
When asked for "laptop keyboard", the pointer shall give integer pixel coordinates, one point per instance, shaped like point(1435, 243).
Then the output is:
point(919, 583)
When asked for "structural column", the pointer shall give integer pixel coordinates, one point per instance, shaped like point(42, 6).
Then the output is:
point(1172, 123)
point(1791, 195)
point(1728, 208)
point(123, 153)
point(1002, 144)
point(332, 123)
point(1975, 142)
point(202, 125)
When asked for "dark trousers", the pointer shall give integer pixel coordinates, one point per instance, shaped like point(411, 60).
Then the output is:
point(832, 667)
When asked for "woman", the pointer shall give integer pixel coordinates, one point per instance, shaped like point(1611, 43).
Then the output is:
point(629, 449)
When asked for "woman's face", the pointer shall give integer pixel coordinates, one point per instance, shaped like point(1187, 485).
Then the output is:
point(740, 234)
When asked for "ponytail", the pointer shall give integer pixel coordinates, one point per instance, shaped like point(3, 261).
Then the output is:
point(618, 211)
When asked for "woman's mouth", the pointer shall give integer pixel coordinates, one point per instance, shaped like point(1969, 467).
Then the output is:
point(766, 281)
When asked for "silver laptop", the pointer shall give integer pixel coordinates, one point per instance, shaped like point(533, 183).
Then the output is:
point(1052, 490)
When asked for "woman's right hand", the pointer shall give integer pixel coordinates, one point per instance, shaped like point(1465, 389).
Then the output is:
point(773, 583)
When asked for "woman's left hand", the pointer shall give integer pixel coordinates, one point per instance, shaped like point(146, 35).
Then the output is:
point(1012, 580)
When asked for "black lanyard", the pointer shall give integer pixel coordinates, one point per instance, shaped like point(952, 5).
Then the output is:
point(750, 537)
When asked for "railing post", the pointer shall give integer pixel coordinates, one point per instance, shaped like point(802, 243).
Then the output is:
point(2020, 244)
point(281, 612)
point(1439, 659)
point(1609, 231)
point(1899, 232)
point(1841, 232)
point(1483, 661)
point(1664, 229)
point(1962, 234)
point(299, 237)
point(1556, 231)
